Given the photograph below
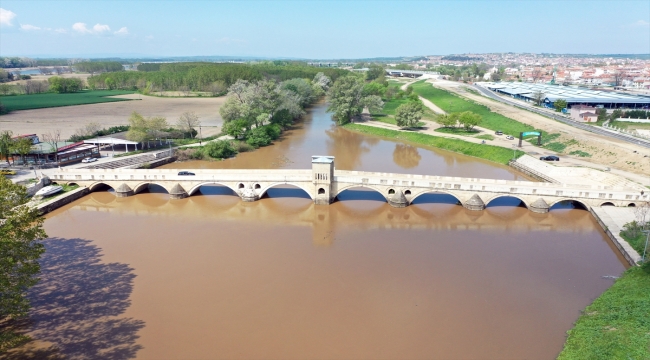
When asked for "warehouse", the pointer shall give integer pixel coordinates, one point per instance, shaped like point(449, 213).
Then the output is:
point(572, 95)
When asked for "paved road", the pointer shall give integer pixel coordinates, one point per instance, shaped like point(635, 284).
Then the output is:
point(590, 128)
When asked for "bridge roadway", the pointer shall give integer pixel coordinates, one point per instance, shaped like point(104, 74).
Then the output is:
point(323, 183)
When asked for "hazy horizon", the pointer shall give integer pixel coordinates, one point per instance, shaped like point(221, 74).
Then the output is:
point(319, 29)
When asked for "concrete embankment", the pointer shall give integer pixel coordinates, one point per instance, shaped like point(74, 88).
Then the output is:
point(61, 200)
point(612, 220)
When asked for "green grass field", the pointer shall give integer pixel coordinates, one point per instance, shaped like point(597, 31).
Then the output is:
point(488, 152)
point(48, 100)
point(616, 325)
point(451, 103)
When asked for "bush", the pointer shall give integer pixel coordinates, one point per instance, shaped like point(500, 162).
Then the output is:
point(241, 146)
point(273, 131)
point(258, 137)
point(221, 149)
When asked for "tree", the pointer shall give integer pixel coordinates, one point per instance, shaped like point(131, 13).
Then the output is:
point(409, 114)
point(21, 228)
point(235, 128)
point(188, 121)
point(53, 138)
point(602, 114)
point(559, 104)
point(347, 98)
point(469, 119)
point(536, 74)
point(538, 97)
point(375, 72)
point(22, 146)
point(447, 120)
point(6, 143)
point(374, 88)
point(618, 77)
point(616, 114)
point(137, 128)
point(5, 89)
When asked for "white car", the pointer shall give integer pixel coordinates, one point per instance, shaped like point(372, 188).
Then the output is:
point(88, 160)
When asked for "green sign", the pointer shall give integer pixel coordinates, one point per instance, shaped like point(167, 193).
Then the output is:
point(531, 133)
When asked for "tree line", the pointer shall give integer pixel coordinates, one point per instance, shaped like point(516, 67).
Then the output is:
point(94, 67)
point(214, 78)
point(21, 62)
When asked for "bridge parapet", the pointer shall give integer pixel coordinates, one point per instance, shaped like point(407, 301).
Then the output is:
point(323, 183)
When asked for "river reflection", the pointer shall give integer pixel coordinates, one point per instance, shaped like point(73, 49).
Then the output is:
point(211, 276)
point(284, 278)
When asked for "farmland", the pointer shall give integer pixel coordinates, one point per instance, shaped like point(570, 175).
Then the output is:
point(49, 100)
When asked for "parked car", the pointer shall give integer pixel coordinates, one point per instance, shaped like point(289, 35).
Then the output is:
point(88, 160)
point(186, 173)
point(7, 172)
point(498, 132)
point(550, 158)
point(510, 137)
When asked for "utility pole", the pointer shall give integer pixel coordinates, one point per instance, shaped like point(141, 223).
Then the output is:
point(200, 136)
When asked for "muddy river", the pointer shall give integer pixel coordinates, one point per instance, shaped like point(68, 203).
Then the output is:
point(213, 277)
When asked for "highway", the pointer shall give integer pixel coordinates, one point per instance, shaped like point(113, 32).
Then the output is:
point(590, 128)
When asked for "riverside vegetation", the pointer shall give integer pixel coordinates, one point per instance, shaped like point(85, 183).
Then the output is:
point(257, 112)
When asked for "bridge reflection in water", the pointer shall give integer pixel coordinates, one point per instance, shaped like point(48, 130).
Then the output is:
point(357, 208)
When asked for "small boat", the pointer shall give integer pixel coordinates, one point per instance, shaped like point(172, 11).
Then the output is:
point(48, 190)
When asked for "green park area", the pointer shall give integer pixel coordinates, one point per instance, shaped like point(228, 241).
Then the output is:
point(488, 152)
point(48, 100)
point(451, 103)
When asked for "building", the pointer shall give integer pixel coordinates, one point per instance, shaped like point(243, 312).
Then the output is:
point(33, 137)
point(65, 153)
point(572, 95)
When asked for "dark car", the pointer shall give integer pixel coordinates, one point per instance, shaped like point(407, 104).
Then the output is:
point(550, 158)
point(498, 132)
point(186, 173)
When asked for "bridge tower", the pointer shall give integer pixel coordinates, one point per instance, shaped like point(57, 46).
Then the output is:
point(322, 175)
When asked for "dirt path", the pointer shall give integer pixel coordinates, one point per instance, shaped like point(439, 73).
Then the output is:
point(606, 152)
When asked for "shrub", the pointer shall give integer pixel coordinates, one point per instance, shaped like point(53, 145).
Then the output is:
point(258, 137)
point(241, 146)
point(219, 149)
point(273, 131)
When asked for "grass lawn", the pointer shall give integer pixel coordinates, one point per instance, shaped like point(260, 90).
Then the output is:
point(451, 103)
point(616, 325)
point(493, 153)
point(48, 100)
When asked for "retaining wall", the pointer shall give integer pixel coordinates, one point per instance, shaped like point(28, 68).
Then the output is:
point(64, 199)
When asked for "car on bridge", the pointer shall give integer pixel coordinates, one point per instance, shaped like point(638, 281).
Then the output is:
point(550, 158)
point(186, 173)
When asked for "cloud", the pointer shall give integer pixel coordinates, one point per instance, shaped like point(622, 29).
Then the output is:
point(122, 31)
point(61, 31)
point(6, 16)
point(83, 29)
point(28, 27)
point(98, 28)
point(636, 25)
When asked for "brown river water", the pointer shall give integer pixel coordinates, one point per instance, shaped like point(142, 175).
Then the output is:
point(212, 277)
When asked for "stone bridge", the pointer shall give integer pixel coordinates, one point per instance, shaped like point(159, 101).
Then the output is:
point(323, 183)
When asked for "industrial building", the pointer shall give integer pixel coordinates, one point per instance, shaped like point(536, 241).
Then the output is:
point(572, 95)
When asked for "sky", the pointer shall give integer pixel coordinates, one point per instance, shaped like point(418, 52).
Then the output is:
point(320, 29)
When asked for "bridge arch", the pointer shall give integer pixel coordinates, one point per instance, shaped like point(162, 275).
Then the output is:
point(582, 203)
point(140, 187)
point(435, 192)
point(385, 193)
point(196, 188)
point(263, 190)
point(487, 202)
point(99, 184)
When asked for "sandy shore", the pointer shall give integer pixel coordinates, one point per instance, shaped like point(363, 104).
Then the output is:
point(69, 118)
